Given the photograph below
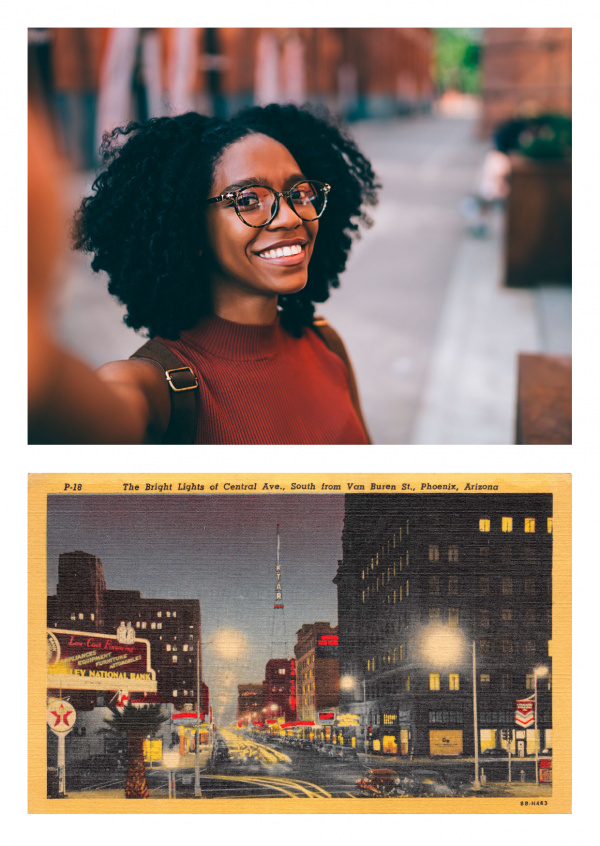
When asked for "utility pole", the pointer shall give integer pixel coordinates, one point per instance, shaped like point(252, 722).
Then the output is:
point(476, 782)
point(197, 788)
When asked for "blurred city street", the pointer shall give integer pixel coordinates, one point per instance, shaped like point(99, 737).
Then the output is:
point(432, 332)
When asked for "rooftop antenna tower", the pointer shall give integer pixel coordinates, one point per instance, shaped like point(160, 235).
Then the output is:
point(278, 606)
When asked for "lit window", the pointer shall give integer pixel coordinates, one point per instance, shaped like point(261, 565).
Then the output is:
point(152, 625)
point(168, 647)
point(454, 681)
point(434, 613)
point(530, 616)
point(407, 587)
point(529, 524)
point(434, 553)
point(168, 613)
point(453, 553)
point(549, 525)
point(92, 616)
point(174, 693)
point(174, 613)
point(143, 625)
point(185, 647)
point(506, 585)
point(402, 652)
point(484, 525)
point(484, 646)
point(80, 616)
point(434, 584)
point(453, 585)
point(281, 671)
point(363, 574)
point(453, 616)
point(530, 681)
point(434, 681)
point(73, 616)
point(407, 685)
point(507, 524)
point(137, 624)
point(174, 658)
point(159, 613)
point(363, 596)
point(507, 615)
point(400, 593)
point(484, 679)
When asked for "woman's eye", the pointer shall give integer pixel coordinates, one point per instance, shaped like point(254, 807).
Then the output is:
point(248, 201)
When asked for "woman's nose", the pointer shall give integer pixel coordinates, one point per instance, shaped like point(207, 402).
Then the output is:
point(285, 216)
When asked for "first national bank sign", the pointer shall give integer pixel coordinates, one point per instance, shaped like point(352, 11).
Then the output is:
point(92, 661)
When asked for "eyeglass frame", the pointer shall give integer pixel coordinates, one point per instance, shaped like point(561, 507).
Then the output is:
point(233, 195)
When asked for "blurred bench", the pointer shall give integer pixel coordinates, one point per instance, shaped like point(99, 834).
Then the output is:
point(544, 399)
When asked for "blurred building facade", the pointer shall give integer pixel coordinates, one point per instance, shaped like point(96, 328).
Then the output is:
point(250, 702)
point(317, 670)
point(279, 689)
point(95, 79)
point(423, 578)
point(525, 71)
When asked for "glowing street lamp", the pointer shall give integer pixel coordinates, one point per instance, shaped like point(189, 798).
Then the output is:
point(442, 646)
point(538, 673)
point(349, 684)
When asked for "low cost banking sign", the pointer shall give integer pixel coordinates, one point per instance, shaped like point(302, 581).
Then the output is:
point(92, 661)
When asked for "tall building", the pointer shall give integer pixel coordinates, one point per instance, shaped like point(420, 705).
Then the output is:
point(279, 689)
point(250, 702)
point(317, 670)
point(426, 583)
point(173, 627)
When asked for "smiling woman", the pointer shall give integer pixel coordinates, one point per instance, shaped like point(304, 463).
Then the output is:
point(219, 237)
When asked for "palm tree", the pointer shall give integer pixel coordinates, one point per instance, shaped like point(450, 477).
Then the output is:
point(136, 724)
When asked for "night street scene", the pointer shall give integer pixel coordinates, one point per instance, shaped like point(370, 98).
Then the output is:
point(299, 646)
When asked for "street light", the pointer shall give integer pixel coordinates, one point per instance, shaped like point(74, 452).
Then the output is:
point(538, 673)
point(445, 647)
point(349, 683)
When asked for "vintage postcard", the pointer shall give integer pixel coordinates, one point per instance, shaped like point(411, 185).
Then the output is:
point(300, 643)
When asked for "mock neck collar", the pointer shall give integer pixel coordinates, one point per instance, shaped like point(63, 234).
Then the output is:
point(235, 341)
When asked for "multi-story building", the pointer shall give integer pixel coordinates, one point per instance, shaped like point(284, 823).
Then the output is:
point(279, 689)
point(317, 670)
point(429, 586)
point(250, 702)
point(172, 626)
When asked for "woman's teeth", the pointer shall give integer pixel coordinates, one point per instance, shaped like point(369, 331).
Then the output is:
point(282, 251)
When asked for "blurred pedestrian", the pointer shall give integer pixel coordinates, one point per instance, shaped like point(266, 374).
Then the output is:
point(219, 237)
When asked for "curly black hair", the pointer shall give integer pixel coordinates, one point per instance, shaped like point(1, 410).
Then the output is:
point(145, 221)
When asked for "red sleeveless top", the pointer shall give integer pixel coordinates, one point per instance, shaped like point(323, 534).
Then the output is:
point(260, 385)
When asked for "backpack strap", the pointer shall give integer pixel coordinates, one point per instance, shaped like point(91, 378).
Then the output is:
point(333, 341)
point(182, 381)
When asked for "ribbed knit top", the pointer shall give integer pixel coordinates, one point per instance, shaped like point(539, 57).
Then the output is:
point(260, 385)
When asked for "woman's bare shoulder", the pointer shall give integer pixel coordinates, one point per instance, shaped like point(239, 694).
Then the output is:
point(143, 383)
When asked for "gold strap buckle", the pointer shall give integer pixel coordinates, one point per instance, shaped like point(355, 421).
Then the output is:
point(177, 370)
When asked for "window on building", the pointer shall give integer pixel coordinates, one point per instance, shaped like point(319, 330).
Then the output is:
point(507, 615)
point(529, 681)
point(144, 625)
point(484, 554)
point(281, 671)
point(507, 644)
point(453, 616)
point(137, 624)
point(484, 585)
point(453, 585)
point(152, 625)
point(406, 593)
point(159, 625)
point(452, 553)
point(434, 584)
point(402, 651)
point(484, 679)
point(530, 647)
point(159, 613)
point(530, 616)
point(434, 612)
point(484, 646)
point(186, 646)
point(407, 683)
point(174, 613)
point(174, 658)
point(168, 647)
point(484, 524)
point(484, 618)
point(363, 596)
point(434, 681)
point(92, 617)
point(80, 616)
point(549, 525)
point(506, 681)
point(174, 693)
point(529, 524)
point(529, 587)
point(168, 613)
point(454, 681)
point(363, 575)
point(507, 524)
point(507, 585)
point(434, 552)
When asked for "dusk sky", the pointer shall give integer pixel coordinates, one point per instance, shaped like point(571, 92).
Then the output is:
point(222, 550)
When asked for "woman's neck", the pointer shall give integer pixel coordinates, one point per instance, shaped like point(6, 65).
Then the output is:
point(259, 311)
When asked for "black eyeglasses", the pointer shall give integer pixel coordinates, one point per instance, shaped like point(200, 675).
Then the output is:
point(257, 205)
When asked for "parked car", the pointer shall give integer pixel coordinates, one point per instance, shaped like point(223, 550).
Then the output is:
point(494, 752)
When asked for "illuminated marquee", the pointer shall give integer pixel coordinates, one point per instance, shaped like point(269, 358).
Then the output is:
point(92, 661)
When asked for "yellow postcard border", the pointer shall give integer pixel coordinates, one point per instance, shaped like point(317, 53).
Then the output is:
point(40, 485)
